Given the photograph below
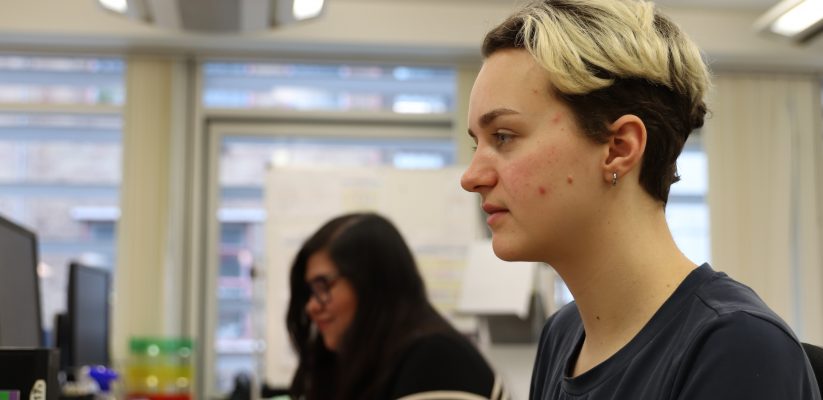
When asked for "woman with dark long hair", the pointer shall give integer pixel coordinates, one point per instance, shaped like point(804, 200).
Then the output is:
point(363, 327)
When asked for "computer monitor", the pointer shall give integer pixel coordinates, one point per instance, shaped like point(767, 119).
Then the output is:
point(20, 324)
point(83, 332)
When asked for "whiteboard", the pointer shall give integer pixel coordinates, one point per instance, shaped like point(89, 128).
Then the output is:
point(438, 219)
point(493, 286)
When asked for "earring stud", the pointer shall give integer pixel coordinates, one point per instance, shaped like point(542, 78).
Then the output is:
point(614, 178)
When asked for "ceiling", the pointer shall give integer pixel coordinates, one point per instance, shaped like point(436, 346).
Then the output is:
point(755, 5)
point(419, 30)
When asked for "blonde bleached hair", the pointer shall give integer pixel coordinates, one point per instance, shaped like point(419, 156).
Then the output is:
point(625, 38)
point(608, 58)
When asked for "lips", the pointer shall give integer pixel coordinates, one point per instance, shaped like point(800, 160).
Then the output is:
point(495, 213)
point(491, 208)
point(322, 324)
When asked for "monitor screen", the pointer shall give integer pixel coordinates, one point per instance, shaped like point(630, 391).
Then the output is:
point(88, 316)
point(19, 287)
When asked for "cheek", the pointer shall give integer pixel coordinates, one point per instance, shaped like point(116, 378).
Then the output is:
point(346, 309)
point(534, 174)
point(348, 313)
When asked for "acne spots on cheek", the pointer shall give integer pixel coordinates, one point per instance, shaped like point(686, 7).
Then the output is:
point(544, 190)
point(535, 166)
point(570, 179)
point(557, 118)
point(551, 155)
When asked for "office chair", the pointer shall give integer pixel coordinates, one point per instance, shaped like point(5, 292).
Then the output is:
point(815, 355)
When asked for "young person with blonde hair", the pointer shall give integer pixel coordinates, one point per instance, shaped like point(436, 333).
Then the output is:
point(579, 113)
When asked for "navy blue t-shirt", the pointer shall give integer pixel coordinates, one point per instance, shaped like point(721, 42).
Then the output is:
point(712, 339)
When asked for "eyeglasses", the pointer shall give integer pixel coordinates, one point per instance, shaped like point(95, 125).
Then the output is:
point(320, 287)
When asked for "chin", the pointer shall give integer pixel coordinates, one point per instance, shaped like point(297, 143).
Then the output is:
point(509, 251)
point(505, 251)
point(330, 343)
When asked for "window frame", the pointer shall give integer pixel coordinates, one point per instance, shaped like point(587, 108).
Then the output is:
point(220, 124)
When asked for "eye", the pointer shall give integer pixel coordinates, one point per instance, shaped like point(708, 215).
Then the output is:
point(502, 137)
point(318, 284)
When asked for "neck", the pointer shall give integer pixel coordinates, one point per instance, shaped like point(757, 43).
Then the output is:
point(619, 286)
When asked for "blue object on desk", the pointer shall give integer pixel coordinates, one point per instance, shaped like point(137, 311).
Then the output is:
point(103, 376)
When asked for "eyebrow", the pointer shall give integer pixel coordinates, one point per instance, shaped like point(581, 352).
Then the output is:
point(489, 117)
point(321, 277)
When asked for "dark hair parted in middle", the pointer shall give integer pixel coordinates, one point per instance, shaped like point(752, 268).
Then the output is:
point(392, 309)
point(654, 73)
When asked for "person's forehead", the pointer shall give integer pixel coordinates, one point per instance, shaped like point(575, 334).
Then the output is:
point(510, 76)
point(509, 79)
point(319, 264)
point(514, 66)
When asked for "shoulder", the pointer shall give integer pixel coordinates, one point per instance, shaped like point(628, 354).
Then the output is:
point(741, 332)
point(741, 349)
point(732, 308)
point(442, 363)
point(743, 356)
point(444, 347)
point(725, 295)
point(736, 323)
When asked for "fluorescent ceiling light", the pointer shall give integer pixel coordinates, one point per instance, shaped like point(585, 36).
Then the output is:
point(218, 16)
point(801, 17)
point(304, 9)
point(120, 6)
point(795, 19)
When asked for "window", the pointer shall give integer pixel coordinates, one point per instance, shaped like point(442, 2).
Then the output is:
point(329, 87)
point(60, 159)
point(243, 167)
point(248, 147)
point(687, 211)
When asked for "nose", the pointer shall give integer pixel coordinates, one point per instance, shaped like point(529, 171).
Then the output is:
point(313, 307)
point(479, 175)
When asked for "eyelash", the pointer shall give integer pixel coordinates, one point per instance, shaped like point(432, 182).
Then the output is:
point(500, 138)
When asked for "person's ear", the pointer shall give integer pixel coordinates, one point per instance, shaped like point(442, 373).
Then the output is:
point(626, 145)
